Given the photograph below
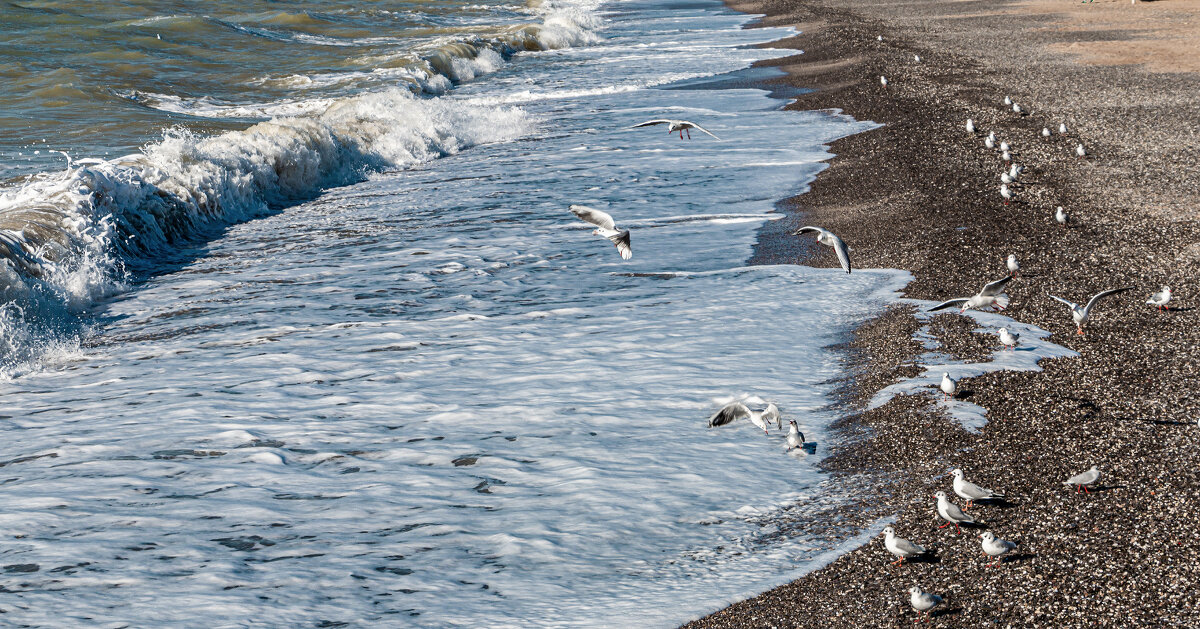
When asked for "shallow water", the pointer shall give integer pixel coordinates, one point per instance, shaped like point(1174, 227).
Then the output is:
point(362, 364)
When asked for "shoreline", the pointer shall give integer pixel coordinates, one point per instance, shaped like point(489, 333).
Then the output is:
point(921, 194)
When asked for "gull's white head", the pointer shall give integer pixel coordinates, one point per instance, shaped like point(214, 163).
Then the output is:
point(887, 530)
point(1012, 257)
point(941, 495)
point(987, 536)
point(956, 473)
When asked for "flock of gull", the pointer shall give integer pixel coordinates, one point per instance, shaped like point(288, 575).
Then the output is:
point(991, 297)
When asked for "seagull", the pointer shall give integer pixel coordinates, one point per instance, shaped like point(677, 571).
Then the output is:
point(1062, 127)
point(1006, 156)
point(1014, 170)
point(917, 58)
point(1007, 101)
point(997, 548)
point(971, 491)
point(1016, 109)
point(795, 440)
point(1005, 192)
point(970, 126)
point(1161, 298)
point(879, 37)
point(676, 125)
point(1080, 151)
point(990, 142)
point(734, 411)
point(992, 137)
point(1045, 132)
point(1060, 216)
point(1008, 339)
point(901, 547)
point(951, 513)
point(1005, 178)
point(992, 295)
point(1080, 313)
point(1082, 480)
point(883, 80)
point(949, 385)
point(1004, 146)
point(605, 226)
point(829, 238)
point(922, 602)
point(1012, 264)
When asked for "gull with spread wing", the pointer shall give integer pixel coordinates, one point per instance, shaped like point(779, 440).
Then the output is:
point(992, 296)
point(734, 411)
point(1080, 313)
point(605, 226)
point(676, 125)
point(826, 237)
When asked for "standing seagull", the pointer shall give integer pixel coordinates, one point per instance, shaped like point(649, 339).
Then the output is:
point(676, 125)
point(1083, 480)
point(992, 295)
point(883, 80)
point(1060, 216)
point(1007, 101)
point(1161, 298)
point(951, 513)
point(829, 238)
point(949, 385)
point(997, 548)
point(971, 491)
point(795, 440)
point(922, 602)
point(990, 141)
point(970, 126)
point(901, 547)
point(1062, 128)
point(1017, 109)
point(1080, 313)
point(1004, 146)
point(734, 411)
point(1005, 192)
point(605, 226)
point(1045, 132)
point(1008, 339)
point(1012, 264)
point(1080, 151)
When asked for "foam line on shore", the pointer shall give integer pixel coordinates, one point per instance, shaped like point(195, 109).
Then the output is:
point(1032, 349)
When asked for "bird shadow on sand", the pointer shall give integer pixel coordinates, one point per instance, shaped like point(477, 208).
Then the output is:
point(1017, 558)
point(1101, 489)
point(999, 503)
point(1180, 308)
point(949, 611)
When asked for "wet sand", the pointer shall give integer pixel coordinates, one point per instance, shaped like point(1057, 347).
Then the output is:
point(922, 194)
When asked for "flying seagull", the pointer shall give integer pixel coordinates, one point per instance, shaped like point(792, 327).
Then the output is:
point(971, 491)
point(676, 125)
point(605, 226)
point(991, 296)
point(829, 238)
point(901, 547)
point(734, 411)
point(1079, 314)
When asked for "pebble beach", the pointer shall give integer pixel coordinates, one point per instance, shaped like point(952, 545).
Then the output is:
point(921, 193)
